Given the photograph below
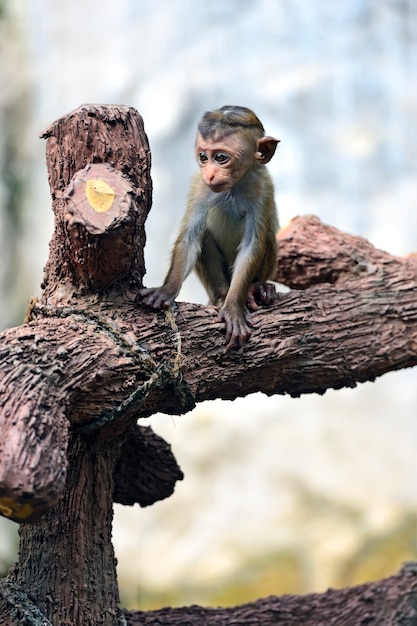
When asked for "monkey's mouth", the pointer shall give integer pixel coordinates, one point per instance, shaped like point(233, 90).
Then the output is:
point(217, 188)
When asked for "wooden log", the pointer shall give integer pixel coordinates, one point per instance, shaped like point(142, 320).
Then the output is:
point(98, 162)
point(66, 560)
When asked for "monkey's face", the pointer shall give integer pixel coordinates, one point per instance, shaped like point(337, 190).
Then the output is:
point(224, 161)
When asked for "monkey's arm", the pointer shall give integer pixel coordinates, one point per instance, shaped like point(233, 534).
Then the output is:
point(162, 297)
point(183, 259)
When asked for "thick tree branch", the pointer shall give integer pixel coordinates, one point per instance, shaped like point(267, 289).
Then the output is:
point(308, 341)
point(129, 361)
point(313, 339)
point(99, 362)
point(391, 601)
point(311, 252)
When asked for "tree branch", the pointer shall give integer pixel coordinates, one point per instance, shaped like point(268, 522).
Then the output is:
point(390, 601)
point(124, 361)
point(311, 253)
point(313, 339)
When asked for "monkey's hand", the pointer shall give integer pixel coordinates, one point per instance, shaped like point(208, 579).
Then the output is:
point(156, 297)
point(260, 293)
point(238, 323)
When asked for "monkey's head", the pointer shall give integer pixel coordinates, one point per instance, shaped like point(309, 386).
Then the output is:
point(230, 141)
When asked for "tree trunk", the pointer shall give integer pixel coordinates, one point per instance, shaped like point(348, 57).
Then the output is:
point(66, 562)
point(101, 192)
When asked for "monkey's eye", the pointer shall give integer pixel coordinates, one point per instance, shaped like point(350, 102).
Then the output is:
point(202, 157)
point(221, 157)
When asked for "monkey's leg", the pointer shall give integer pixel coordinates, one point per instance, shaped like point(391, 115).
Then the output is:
point(213, 271)
point(260, 293)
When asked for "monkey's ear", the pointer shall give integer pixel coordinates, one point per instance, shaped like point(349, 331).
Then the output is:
point(266, 149)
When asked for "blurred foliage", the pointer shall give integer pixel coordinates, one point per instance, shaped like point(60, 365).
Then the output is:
point(15, 172)
point(286, 572)
point(275, 573)
point(8, 545)
point(382, 555)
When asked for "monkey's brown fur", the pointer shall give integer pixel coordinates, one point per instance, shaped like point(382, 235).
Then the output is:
point(228, 230)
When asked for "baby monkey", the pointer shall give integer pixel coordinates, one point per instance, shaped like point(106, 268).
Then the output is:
point(228, 230)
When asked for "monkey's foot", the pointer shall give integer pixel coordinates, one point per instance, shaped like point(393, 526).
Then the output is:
point(260, 293)
point(238, 326)
point(155, 298)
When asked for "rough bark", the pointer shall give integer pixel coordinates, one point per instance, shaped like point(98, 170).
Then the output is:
point(307, 341)
point(127, 360)
point(313, 253)
point(66, 562)
point(388, 602)
point(33, 426)
point(111, 351)
point(55, 476)
point(97, 245)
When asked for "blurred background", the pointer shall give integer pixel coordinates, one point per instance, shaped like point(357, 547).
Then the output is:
point(280, 495)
